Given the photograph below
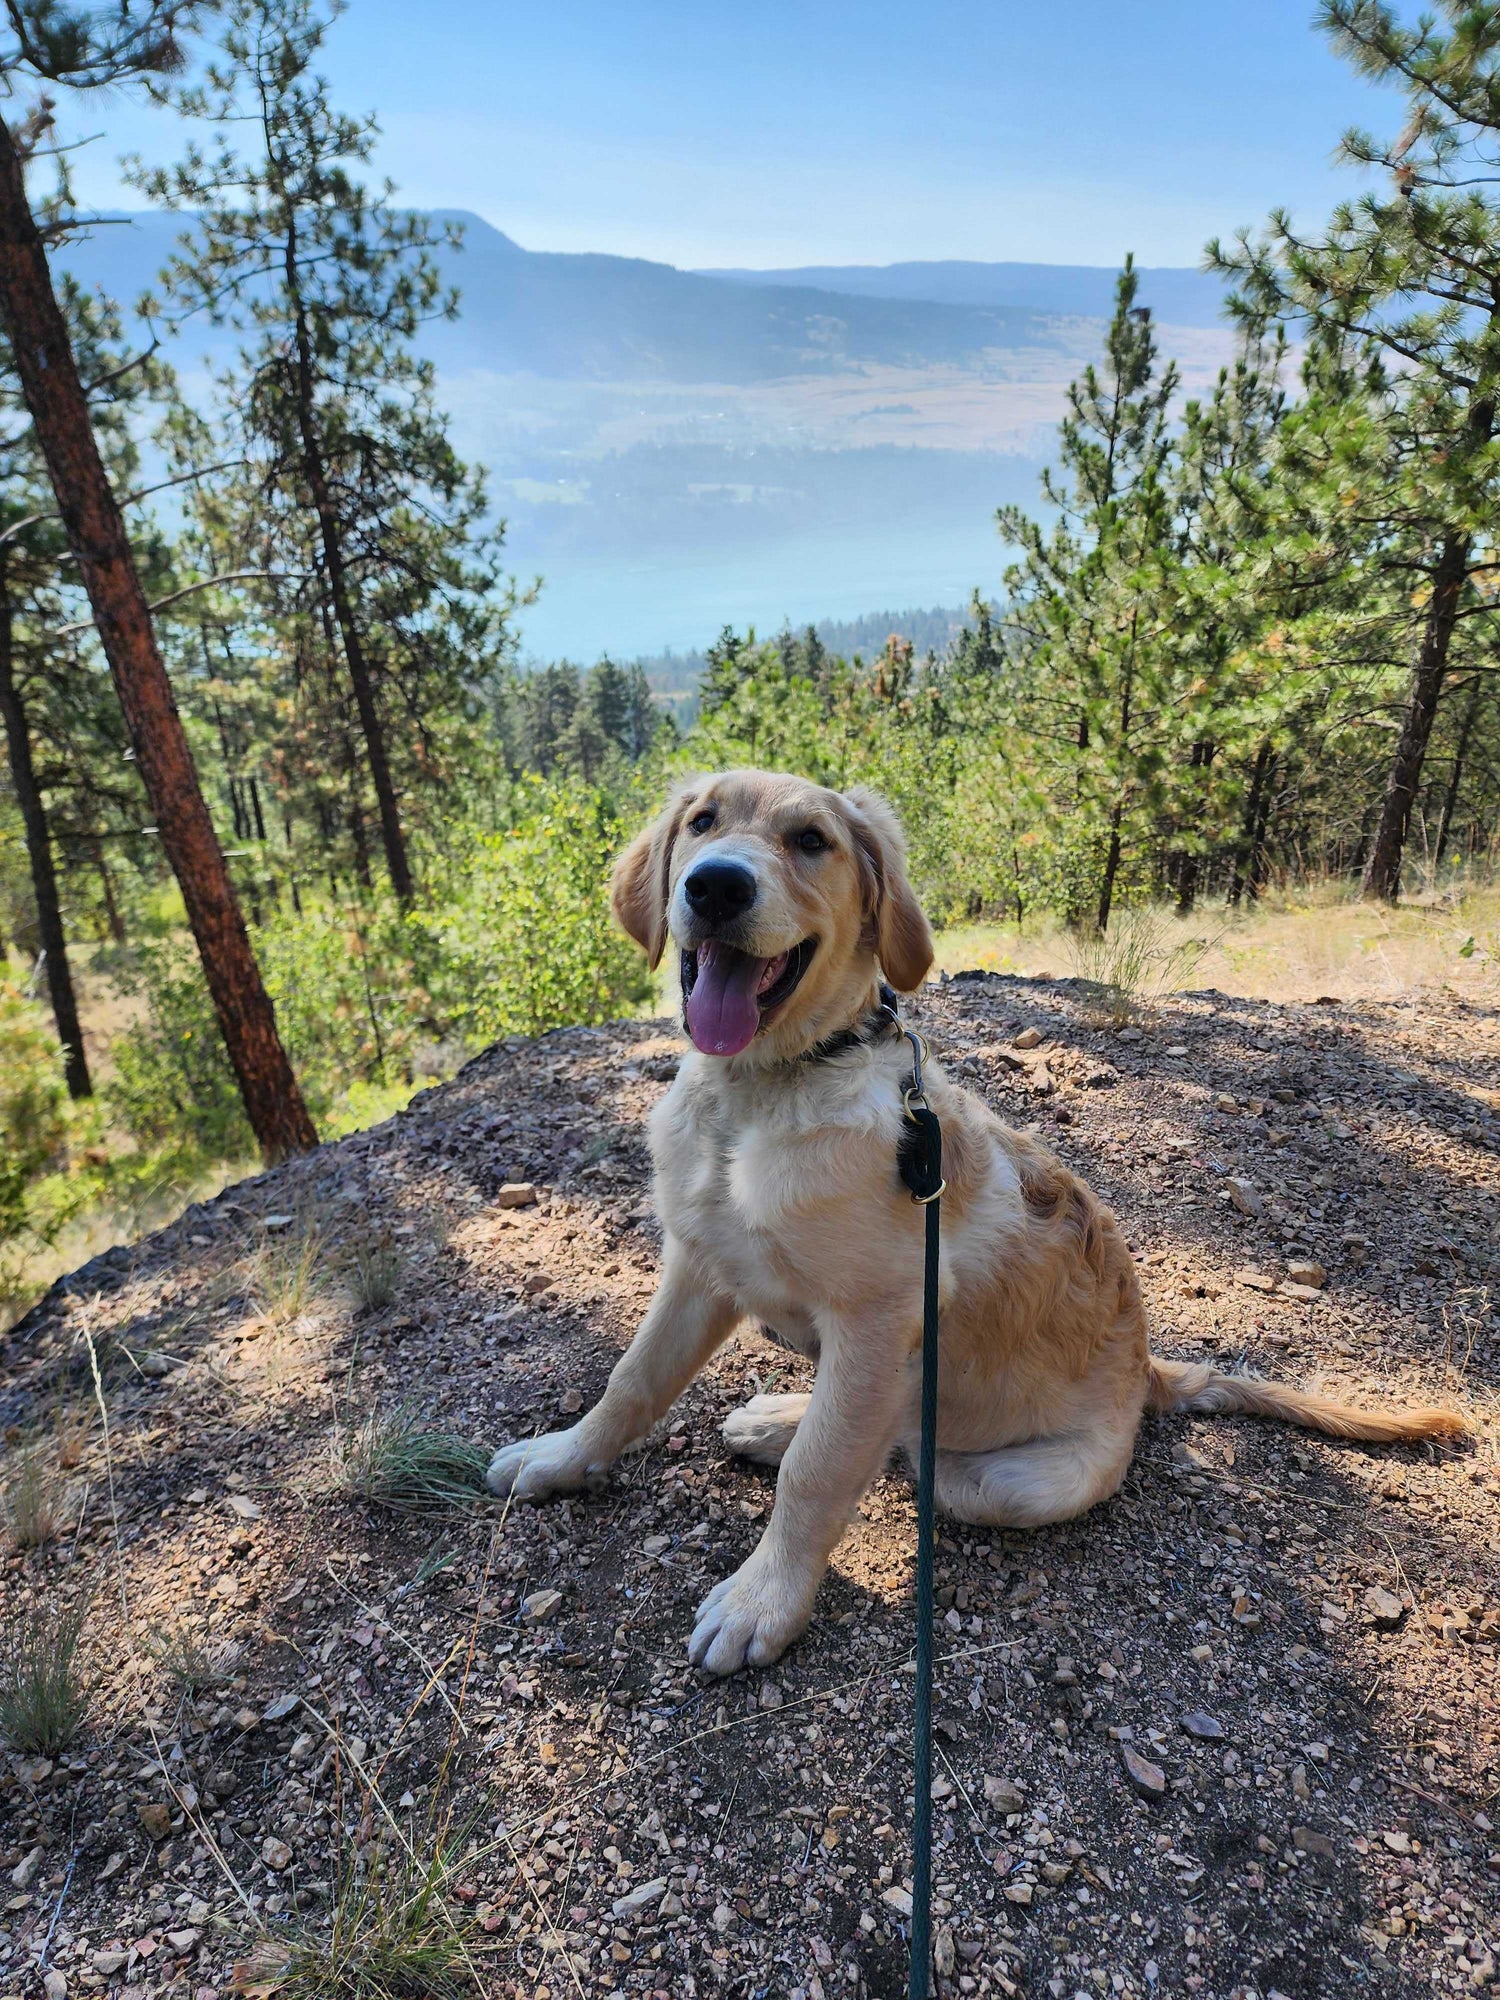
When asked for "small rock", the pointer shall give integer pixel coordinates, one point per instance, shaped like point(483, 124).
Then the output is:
point(156, 1818)
point(54, 1985)
point(570, 1403)
point(516, 1194)
point(1149, 1779)
point(1029, 1038)
point(1224, 1102)
point(1245, 1196)
point(24, 1872)
point(644, 1896)
point(1305, 1294)
point(899, 1899)
point(108, 1963)
point(275, 1224)
point(1187, 1458)
point(1397, 1842)
point(1384, 1606)
point(537, 1283)
point(1207, 1728)
point(1004, 1796)
point(1255, 1281)
point(280, 1707)
point(540, 1606)
point(1307, 1271)
point(275, 1853)
point(244, 1507)
point(1306, 1841)
point(1016, 1892)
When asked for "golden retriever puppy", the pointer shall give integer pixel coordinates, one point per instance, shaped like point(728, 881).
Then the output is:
point(776, 1179)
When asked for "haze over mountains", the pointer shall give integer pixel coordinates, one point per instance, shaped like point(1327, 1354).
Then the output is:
point(674, 450)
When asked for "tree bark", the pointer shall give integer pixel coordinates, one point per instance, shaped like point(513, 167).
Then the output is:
point(96, 533)
point(49, 923)
point(1456, 775)
point(1245, 858)
point(392, 836)
point(1382, 878)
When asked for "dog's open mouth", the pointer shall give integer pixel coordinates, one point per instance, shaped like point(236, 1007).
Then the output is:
point(728, 994)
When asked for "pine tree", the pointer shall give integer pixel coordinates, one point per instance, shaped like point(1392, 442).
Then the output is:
point(54, 45)
point(1414, 269)
point(349, 465)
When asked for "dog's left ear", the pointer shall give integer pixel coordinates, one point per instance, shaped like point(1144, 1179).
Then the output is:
point(900, 934)
point(641, 880)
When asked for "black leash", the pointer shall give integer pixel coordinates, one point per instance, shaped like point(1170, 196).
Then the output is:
point(921, 1166)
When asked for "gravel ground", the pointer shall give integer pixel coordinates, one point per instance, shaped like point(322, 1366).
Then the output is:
point(1236, 1734)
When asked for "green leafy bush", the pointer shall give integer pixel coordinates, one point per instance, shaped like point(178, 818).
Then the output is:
point(34, 1122)
point(517, 936)
point(512, 935)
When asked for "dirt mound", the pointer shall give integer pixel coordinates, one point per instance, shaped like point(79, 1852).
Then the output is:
point(1234, 1734)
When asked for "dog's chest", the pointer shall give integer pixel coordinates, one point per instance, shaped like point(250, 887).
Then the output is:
point(767, 1202)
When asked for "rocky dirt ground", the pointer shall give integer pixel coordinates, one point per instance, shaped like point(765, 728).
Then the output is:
point(1236, 1734)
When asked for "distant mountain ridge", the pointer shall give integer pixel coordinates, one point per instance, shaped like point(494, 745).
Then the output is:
point(583, 317)
point(1178, 296)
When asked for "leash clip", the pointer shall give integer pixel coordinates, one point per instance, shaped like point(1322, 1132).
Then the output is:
point(914, 1097)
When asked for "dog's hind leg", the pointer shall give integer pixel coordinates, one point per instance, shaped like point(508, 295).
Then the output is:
point(762, 1429)
point(1027, 1485)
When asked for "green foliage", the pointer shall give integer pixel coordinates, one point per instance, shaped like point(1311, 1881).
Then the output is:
point(33, 1110)
point(517, 936)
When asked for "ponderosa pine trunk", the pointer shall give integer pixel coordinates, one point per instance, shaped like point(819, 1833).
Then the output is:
point(1382, 878)
point(95, 528)
point(392, 836)
point(1456, 775)
point(49, 923)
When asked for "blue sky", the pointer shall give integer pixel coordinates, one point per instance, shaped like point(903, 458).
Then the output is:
point(820, 133)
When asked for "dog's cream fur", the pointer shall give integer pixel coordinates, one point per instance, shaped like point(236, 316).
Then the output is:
point(777, 1187)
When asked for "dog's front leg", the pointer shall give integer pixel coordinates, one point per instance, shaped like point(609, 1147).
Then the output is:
point(859, 1400)
point(684, 1323)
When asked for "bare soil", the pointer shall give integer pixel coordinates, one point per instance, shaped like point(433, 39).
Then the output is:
point(1300, 1638)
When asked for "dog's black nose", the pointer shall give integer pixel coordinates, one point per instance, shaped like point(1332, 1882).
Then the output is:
point(719, 890)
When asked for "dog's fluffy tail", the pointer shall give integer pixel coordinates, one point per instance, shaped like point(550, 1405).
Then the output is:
point(1192, 1385)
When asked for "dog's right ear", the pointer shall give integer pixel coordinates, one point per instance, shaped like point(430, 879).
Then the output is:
point(642, 880)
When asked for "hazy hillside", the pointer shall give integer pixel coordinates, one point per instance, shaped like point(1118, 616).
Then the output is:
point(598, 318)
point(1177, 297)
point(672, 450)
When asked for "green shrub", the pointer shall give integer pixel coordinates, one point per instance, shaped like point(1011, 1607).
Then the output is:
point(517, 936)
point(34, 1116)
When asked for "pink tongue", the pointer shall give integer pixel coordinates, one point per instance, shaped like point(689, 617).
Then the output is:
point(722, 1012)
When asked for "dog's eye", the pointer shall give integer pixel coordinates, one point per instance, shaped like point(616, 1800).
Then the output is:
point(700, 822)
point(811, 841)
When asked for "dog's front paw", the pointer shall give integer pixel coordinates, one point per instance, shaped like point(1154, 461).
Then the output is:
point(751, 1618)
point(536, 1468)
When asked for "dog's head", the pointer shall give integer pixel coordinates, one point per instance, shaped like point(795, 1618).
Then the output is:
point(782, 897)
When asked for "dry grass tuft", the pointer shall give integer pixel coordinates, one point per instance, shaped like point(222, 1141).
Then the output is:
point(193, 1662)
point(44, 1695)
point(392, 1934)
point(374, 1265)
point(390, 1460)
point(287, 1278)
point(1140, 961)
point(32, 1501)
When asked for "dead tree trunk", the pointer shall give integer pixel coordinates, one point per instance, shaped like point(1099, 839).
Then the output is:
point(96, 533)
point(49, 923)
